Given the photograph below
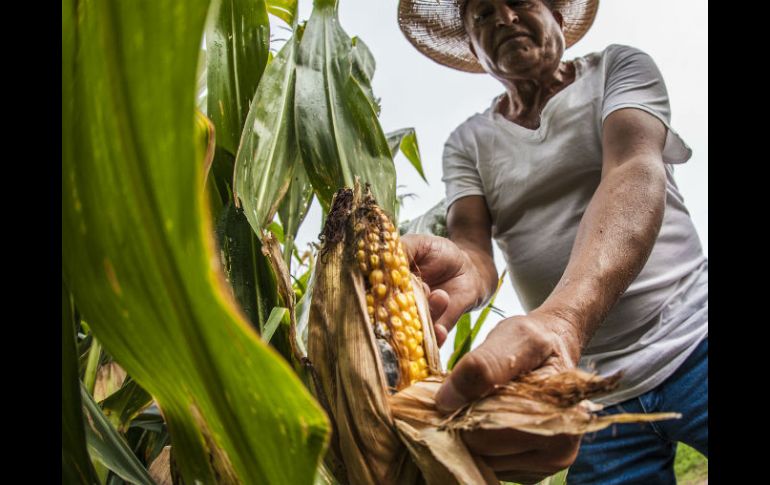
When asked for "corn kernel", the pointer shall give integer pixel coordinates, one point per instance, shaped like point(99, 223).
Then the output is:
point(370, 310)
point(361, 256)
point(382, 313)
point(423, 373)
point(395, 276)
point(402, 301)
point(376, 277)
point(410, 297)
point(387, 258)
point(418, 336)
point(374, 260)
point(380, 290)
point(369, 299)
point(422, 362)
point(397, 323)
point(361, 244)
point(399, 336)
point(364, 268)
point(407, 317)
point(417, 352)
point(392, 306)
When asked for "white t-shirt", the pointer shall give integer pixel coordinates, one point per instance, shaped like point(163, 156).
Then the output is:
point(538, 183)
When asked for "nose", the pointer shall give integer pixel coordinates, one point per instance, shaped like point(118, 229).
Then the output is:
point(506, 15)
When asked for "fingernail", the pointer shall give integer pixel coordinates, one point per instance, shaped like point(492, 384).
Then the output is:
point(448, 399)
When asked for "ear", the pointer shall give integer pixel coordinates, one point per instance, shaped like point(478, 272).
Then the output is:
point(559, 18)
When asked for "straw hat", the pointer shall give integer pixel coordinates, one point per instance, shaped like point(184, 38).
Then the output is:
point(435, 28)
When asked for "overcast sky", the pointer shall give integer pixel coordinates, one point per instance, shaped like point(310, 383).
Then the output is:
point(416, 92)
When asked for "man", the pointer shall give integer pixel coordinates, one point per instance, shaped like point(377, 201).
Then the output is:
point(569, 171)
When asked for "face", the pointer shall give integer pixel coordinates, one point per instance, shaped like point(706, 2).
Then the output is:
point(515, 39)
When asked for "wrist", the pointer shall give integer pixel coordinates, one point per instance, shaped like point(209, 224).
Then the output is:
point(567, 329)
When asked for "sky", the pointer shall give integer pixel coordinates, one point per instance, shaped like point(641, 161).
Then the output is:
point(417, 92)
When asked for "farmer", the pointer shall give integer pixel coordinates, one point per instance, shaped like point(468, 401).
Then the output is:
point(569, 170)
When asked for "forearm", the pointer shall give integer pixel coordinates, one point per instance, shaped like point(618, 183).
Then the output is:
point(484, 265)
point(614, 240)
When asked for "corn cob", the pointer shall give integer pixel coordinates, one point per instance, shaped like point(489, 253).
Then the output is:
point(391, 305)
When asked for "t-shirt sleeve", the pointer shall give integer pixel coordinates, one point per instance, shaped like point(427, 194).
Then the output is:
point(634, 81)
point(460, 174)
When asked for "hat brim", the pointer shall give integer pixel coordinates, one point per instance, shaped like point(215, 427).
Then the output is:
point(435, 28)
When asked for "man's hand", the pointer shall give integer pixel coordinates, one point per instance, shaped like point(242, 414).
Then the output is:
point(537, 342)
point(455, 285)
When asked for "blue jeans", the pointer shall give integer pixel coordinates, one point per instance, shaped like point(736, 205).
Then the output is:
point(644, 452)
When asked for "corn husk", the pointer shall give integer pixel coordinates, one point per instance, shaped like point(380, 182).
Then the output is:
point(384, 435)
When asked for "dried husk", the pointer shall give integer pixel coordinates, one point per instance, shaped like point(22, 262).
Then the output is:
point(380, 438)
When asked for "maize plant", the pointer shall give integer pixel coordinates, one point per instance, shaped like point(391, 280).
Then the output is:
point(376, 364)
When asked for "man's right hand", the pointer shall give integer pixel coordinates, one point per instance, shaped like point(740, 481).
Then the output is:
point(455, 284)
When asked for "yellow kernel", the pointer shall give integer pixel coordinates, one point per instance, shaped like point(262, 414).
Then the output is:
point(404, 270)
point(375, 277)
point(386, 235)
point(407, 317)
point(361, 256)
point(402, 301)
point(374, 237)
point(423, 373)
point(392, 306)
point(412, 308)
point(375, 260)
point(358, 227)
point(380, 290)
point(410, 297)
point(392, 245)
point(369, 299)
point(374, 247)
point(395, 276)
point(363, 267)
point(361, 244)
point(389, 226)
point(422, 362)
point(414, 369)
point(396, 322)
point(399, 336)
point(411, 344)
point(418, 336)
point(403, 261)
point(394, 235)
point(370, 310)
point(409, 331)
point(417, 352)
point(387, 258)
point(382, 313)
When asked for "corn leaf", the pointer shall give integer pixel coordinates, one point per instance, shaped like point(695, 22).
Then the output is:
point(106, 444)
point(138, 252)
point(340, 137)
point(268, 154)
point(286, 10)
point(76, 465)
point(405, 139)
point(294, 208)
point(237, 44)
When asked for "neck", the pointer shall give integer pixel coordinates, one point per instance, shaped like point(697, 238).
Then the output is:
point(526, 98)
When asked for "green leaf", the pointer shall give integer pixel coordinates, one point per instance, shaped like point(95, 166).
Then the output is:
point(339, 135)
point(278, 315)
point(139, 256)
point(277, 231)
point(106, 444)
point(294, 208)
point(76, 465)
point(286, 10)
point(125, 404)
point(406, 140)
point(237, 44)
point(268, 154)
point(246, 268)
point(465, 336)
point(363, 71)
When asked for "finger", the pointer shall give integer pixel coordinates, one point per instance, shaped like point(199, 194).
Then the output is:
point(522, 477)
point(441, 334)
point(503, 442)
point(438, 302)
point(513, 347)
point(548, 461)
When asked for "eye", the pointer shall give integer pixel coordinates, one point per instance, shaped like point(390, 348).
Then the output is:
point(482, 14)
